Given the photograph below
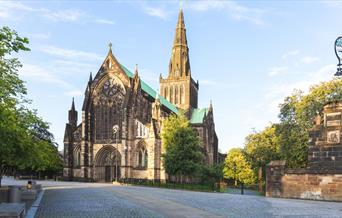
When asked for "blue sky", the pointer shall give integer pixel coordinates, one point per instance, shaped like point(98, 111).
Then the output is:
point(246, 55)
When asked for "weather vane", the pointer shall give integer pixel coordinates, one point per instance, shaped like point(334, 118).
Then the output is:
point(338, 52)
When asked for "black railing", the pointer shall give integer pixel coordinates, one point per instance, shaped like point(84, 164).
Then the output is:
point(205, 187)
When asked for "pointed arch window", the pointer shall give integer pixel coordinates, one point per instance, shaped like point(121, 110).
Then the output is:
point(171, 94)
point(142, 160)
point(77, 156)
point(181, 93)
point(165, 93)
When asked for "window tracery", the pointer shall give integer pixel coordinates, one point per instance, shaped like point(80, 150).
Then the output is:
point(108, 102)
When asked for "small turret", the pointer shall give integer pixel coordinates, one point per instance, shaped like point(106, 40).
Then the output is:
point(211, 106)
point(90, 78)
point(73, 115)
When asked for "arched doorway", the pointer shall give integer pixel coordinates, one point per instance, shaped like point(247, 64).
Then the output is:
point(107, 164)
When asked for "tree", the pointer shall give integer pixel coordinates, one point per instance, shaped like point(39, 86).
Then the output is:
point(296, 115)
point(262, 147)
point(183, 154)
point(25, 140)
point(211, 174)
point(237, 168)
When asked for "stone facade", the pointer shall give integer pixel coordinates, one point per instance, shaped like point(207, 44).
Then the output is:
point(119, 134)
point(322, 179)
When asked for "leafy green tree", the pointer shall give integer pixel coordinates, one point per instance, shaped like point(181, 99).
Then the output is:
point(25, 142)
point(211, 174)
point(183, 154)
point(237, 168)
point(297, 113)
point(262, 147)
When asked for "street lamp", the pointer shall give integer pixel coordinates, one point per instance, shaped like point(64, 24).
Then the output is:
point(115, 133)
point(338, 52)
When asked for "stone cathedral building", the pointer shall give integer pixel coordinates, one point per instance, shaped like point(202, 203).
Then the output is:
point(122, 116)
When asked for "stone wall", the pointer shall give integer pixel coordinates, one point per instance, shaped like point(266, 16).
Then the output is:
point(303, 183)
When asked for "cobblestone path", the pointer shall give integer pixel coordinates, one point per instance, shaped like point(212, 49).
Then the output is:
point(130, 201)
point(63, 199)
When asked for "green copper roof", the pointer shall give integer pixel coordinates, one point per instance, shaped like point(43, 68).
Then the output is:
point(197, 115)
point(151, 91)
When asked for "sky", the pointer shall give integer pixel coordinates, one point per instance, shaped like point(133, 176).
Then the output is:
point(247, 55)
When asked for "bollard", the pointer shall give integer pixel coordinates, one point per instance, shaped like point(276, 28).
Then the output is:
point(14, 195)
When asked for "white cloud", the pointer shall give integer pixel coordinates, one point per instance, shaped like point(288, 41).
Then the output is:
point(274, 71)
point(64, 15)
point(38, 35)
point(69, 53)
point(278, 92)
point(41, 74)
point(13, 5)
point(309, 60)
point(74, 93)
point(4, 14)
point(233, 9)
point(104, 21)
point(290, 53)
point(11, 9)
point(207, 82)
point(156, 12)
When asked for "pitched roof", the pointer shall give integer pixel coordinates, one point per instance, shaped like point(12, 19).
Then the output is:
point(146, 88)
point(197, 115)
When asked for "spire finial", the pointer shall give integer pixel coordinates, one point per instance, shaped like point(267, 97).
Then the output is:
point(211, 105)
point(73, 104)
point(110, 46)
point(90, 77)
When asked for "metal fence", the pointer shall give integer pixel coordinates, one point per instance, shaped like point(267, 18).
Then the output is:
point(206, 187)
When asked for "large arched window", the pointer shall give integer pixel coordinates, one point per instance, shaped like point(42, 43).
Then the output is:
point(108, 103)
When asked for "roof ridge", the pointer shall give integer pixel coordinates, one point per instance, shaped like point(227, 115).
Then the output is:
point(149, 90)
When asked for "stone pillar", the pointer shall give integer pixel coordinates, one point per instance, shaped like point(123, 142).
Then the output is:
point(275, 170)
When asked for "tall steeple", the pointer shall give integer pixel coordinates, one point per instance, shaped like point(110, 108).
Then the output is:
point(179, 88)
point(179, 65)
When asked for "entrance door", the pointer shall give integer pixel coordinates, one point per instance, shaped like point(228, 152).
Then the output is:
point(108, 174)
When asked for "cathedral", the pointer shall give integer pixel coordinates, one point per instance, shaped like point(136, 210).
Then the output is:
point(119, 135)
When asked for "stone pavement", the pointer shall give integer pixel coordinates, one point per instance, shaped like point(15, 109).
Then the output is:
point(63, 199)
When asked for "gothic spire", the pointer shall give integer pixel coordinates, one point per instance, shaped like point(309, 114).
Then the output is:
point(179, 63)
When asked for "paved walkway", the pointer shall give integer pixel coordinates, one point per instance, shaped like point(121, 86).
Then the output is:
point(64, 199)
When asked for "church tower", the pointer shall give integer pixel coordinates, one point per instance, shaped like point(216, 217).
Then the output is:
point(179, 88)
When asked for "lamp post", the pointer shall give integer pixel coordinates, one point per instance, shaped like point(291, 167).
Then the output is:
point(115, 132)
point(338, 52)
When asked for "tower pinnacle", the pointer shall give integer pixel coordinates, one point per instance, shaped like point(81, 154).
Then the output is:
point(179, 63)
point(73, 105)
